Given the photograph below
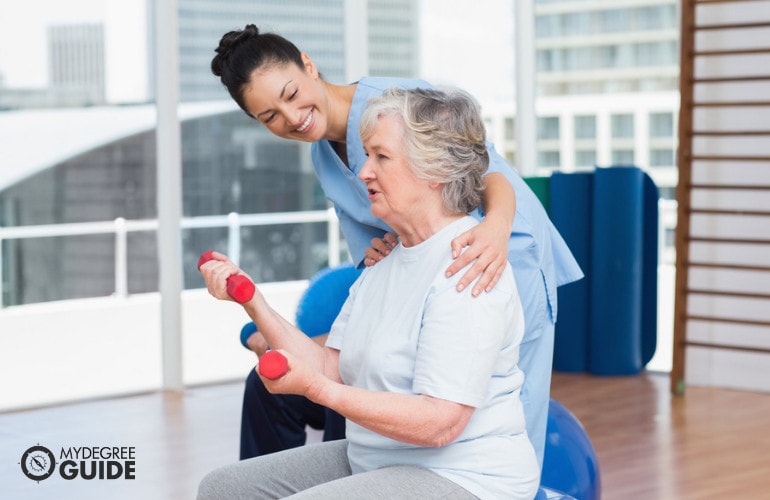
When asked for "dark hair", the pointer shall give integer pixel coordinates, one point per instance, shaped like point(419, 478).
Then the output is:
point(241, 52)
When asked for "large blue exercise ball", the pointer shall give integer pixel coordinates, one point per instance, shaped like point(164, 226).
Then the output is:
point(569, 463)
point(322, 300)
point(544, 493)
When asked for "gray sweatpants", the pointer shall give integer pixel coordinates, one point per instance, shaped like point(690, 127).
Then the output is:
point(322, 471)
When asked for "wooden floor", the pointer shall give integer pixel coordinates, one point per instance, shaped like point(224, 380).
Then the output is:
point(710, 444)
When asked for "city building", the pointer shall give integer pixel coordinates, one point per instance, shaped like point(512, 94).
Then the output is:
point(315, 27)
point(76, 63)
point(607, 88)
point(76, 71)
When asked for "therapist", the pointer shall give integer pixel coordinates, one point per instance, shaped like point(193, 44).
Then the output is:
point(276, 84)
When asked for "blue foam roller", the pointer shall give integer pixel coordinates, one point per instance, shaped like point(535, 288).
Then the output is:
point(571, 202)
point(615, 341)
point(322, 300)
point(650, 271)
point(570, 465)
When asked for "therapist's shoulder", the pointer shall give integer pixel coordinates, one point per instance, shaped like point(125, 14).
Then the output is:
point(377, 84)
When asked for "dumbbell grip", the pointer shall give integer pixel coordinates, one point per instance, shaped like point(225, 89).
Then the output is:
point(273, 365)
point(239, 287)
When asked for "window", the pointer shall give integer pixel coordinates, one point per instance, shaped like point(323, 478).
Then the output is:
point(661, 124)
point(585, 158)
point(622, 126)
point(548, 159)
point(545, 60)
point(585, 127)
point(509, 128)
point(661, 157)
point(616, 20)
point(548, 127)
point(622, 156)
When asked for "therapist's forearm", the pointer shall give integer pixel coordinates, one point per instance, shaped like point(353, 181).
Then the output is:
point(499, 199)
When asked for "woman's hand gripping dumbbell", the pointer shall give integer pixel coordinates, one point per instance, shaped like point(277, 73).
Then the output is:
point(239, 287)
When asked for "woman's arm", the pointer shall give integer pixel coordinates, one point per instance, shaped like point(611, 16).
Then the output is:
point(276, 330)
point(415, 419)
point(487, 243)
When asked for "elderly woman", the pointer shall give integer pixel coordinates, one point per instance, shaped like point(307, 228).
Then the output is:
point(425, 376)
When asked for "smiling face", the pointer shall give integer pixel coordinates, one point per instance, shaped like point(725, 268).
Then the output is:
point(289, 101)
point(397, 196)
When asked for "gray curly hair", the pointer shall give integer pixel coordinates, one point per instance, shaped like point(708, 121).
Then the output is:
point(444, 136)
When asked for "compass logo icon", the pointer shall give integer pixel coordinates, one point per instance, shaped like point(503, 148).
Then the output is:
point(38, 463)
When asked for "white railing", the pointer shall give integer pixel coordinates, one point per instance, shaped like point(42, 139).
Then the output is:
point(120, 227)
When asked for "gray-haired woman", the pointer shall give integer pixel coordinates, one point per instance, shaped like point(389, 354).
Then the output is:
point(426, 377)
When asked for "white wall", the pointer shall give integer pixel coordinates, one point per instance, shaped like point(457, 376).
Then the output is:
point(71, 350)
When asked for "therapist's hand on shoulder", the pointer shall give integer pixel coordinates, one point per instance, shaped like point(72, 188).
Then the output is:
point(380, 248)
point(486, 246)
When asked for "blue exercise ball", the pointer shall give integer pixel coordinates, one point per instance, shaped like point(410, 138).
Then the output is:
point(321, 302)
point(544, 493)
point(569, 463)
point(247, 331)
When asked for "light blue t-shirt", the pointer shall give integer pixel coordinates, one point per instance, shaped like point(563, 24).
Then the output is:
point(405, 329)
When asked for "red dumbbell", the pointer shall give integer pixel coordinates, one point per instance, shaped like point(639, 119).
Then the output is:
point(239, 287)
point(273, 365)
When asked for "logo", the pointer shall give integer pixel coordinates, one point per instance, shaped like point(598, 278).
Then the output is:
point(38, 463)
point(80, 462)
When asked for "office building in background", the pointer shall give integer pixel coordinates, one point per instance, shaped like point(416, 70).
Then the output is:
point(315, 27)
point(76, 64)
point(607, 88)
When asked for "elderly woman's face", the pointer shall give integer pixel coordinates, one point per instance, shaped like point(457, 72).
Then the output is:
point(394, 191)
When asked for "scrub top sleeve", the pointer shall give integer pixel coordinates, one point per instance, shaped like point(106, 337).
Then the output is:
point(358, 236)
point(498, 164)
